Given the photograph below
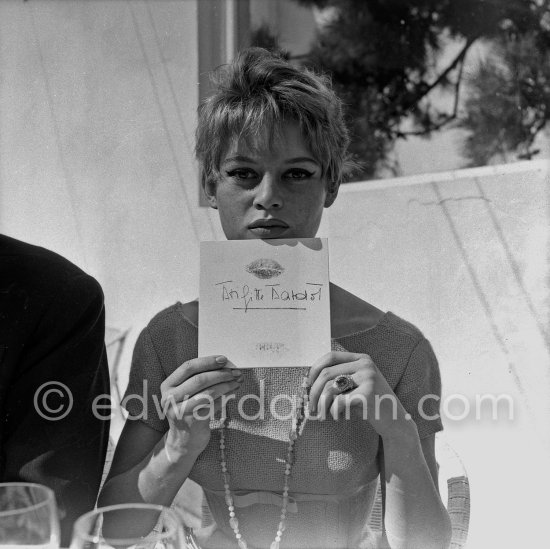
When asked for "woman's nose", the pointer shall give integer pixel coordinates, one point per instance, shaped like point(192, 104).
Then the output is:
point(268, 194)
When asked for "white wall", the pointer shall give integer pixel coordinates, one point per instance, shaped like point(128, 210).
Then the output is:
point(97, 110)
point(464, 255)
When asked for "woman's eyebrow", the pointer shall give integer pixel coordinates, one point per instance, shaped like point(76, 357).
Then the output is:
point(299, 159)
point(238, 158)
point(247, 159)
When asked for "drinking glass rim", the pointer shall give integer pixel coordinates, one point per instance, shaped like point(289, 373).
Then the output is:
point(159, 536)
point(50, 497)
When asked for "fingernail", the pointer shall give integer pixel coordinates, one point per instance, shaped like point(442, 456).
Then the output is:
point(240, 379)
point(236, 373)
point(221, 359)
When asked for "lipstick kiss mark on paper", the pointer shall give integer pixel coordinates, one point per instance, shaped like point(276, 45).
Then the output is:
point(265, 268)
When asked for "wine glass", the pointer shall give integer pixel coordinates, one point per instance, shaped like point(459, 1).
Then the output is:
point(28, 516)
point(135, 525)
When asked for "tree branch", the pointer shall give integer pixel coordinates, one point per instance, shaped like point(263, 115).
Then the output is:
point(458, 59)
point(448, 118)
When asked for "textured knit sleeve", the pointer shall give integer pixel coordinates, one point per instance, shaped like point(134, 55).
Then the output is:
point(142, 397)
point(419, 389)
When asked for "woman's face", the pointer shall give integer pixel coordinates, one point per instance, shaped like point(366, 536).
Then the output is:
point(276, 193)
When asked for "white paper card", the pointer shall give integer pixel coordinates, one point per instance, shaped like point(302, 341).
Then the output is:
point(265, 303)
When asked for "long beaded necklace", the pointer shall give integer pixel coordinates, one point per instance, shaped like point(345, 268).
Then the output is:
point(301, 404)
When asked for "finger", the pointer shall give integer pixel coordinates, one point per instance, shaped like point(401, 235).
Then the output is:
point(338, 406)
point(325, 378)
point(193, 367)
point(212, 393)
point(329, 396)
point(199, 382)
point(344, 405)
point(329, 359)
point(207, 412)
point(324, 404)
point(183, 408)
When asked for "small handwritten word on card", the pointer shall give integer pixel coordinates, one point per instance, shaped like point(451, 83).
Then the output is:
point(265, 302)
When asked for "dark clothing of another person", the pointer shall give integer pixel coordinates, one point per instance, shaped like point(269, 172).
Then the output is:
point(52, 326)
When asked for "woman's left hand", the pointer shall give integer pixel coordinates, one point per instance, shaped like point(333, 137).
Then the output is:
point(370, 394)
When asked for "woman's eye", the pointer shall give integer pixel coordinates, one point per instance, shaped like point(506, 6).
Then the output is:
point(298, 174)
point(242, 173)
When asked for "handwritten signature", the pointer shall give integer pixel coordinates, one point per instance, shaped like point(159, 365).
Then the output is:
point(270, 296)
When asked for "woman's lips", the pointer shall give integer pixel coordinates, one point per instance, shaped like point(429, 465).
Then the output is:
point(265, 231)
point(265, 268)
point(268, 228)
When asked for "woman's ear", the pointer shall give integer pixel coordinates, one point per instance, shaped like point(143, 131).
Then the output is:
point(209, 188)
point(332, 193)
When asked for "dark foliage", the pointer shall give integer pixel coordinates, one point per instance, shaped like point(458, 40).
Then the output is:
point(384, 58)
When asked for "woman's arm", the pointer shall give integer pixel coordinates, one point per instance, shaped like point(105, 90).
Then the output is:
point(150, 466)
point(144, 469)
point(415, 516)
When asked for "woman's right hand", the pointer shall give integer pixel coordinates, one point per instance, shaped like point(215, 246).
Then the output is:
point(190, 395)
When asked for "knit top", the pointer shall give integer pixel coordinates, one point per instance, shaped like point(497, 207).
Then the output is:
point(334, 477)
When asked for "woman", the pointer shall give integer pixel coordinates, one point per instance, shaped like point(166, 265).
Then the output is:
point(273, 146)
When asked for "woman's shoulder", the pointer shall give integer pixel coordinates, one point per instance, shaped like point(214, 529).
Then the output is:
point(352, 316)
point(403, 327)
point(168, 340)
point(177, 320)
